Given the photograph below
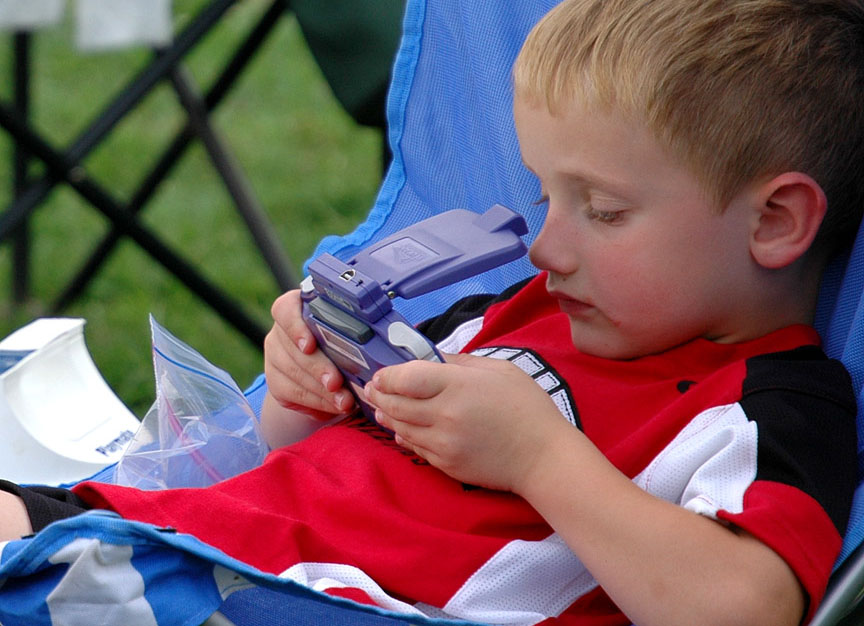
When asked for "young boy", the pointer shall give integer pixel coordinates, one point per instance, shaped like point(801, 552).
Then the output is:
point(646, 432)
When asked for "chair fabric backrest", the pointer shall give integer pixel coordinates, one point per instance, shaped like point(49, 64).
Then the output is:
point(840, 321)
point(451, 132)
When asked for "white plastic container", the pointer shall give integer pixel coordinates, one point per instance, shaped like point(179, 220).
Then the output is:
point(30, 14)
point(60, 422)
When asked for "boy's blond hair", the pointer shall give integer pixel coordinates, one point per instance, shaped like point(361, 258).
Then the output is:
point(736, 89)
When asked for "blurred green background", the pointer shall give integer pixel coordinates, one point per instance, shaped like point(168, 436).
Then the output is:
point(311, 167)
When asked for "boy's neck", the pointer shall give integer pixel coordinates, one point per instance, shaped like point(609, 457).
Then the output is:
point(788, 297)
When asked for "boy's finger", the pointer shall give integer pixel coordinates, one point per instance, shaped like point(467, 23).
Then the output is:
point(286, 313)
point(290, 394)
point(321, 416)
point(399, 414)
point(309, 364)
point(393, 410)
point(307, 380)
point(414, 447)
point(414, 379)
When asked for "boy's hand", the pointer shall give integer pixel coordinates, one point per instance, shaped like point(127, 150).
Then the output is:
point(482, 421)
point(299, 376)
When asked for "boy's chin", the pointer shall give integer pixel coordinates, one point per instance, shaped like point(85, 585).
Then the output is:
point(612, 345)
point(604, 348)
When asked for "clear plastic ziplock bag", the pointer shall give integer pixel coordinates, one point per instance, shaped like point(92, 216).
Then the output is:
point(200, 429)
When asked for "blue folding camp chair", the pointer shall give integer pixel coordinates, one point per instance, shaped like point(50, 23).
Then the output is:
point(454, 145)
point(840, 320)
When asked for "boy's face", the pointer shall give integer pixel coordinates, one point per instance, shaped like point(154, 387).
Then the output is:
point(638, 256)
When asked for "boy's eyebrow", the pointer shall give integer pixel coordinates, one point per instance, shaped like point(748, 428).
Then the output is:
point(620, 191)
point(601, 184)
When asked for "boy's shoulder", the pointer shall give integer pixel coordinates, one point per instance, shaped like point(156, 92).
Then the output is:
point(529, 290)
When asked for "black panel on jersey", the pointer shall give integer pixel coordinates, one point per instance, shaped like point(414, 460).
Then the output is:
point(440, 327)
point(804, 407)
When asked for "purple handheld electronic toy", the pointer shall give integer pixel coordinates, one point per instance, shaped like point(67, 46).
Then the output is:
point(348, 307)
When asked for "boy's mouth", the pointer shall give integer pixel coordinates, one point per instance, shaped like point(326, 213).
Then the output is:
point(571, 306)
point(574, 308)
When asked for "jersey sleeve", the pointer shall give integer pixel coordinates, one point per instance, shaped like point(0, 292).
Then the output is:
point(799, 501)
point(779, 463)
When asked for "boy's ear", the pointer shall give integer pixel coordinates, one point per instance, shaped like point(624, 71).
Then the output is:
point(789, 212)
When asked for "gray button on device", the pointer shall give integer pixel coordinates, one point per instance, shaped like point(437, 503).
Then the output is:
point(402, 335)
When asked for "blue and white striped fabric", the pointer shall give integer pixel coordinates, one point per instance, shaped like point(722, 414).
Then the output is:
point(454, 147)
point(97, 569)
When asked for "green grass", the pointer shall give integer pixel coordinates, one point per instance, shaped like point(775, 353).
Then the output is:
point(313, 170)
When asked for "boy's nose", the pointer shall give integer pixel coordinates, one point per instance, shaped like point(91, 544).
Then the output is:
point(554, 248)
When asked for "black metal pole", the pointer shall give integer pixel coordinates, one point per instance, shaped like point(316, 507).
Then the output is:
point(128, 98)
point(235, 182)
point(63, 168)
point(166, 162)
point(21, 158)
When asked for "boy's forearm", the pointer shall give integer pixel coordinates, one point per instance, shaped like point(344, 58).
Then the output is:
point(659, 562)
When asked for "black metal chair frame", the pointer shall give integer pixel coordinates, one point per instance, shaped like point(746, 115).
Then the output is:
point(65, 167)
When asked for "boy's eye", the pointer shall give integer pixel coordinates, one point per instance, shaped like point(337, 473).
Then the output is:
point(605, 217)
